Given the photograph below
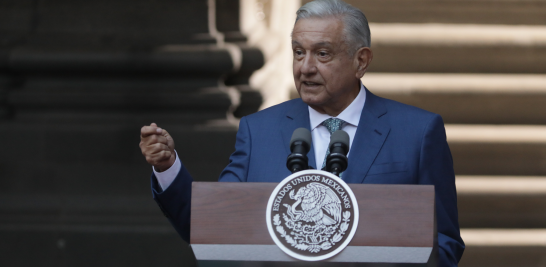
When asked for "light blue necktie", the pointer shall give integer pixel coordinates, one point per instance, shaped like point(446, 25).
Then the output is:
point(332, 124)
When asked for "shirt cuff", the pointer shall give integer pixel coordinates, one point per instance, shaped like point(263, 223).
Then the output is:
point(166, 178)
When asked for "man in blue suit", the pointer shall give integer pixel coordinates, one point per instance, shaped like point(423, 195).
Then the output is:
point(391, 143)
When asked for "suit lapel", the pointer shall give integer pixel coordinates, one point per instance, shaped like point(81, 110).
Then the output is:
point(370, 135)
point(297, 117)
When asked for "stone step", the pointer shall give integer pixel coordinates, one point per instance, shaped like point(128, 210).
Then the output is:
point(501, 201)
point(504, 248)
point(125, 101)
point(458, 48)
point(103, 158)
point(79, 229)
point(67, 85)
point(49, 210)
point(93, 245)
point(498, 149)
point(453, 11)
point(467, 98)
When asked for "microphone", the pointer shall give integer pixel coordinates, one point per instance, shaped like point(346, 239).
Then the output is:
point(336, 162)
point(300, 143)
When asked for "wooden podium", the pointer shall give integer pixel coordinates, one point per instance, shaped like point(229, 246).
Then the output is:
point(397, 227)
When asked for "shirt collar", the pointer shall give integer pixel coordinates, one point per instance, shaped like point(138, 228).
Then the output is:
point(351, 114)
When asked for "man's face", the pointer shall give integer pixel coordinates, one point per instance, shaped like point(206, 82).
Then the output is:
point(324, 74)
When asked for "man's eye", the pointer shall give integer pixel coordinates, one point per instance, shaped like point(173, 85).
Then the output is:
point(299, 54)
point(322, 54)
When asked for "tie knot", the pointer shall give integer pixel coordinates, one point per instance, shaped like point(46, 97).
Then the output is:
point(333, 124)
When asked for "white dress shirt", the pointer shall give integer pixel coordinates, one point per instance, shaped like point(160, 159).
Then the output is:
point(166, 178)
point(319, 133)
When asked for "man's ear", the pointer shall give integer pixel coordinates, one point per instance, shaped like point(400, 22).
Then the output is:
point(362, 59)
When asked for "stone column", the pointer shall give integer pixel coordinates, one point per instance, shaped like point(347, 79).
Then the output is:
point(78, 79)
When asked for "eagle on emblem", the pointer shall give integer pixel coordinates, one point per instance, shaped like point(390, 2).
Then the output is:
point(319, 204)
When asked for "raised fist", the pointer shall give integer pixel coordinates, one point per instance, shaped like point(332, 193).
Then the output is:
point(157, 146)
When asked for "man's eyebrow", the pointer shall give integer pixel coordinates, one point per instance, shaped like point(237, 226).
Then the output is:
point(319, 44)
point(323, 44)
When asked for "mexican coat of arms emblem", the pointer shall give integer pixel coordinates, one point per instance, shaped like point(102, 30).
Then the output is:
point(312, 215)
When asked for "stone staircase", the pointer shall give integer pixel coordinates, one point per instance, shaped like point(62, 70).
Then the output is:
point(500, 164)
point(481, 64)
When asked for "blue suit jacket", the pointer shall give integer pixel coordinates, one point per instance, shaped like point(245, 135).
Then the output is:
point(394, 144)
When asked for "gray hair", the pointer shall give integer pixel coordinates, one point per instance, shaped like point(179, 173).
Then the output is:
point(355, 25)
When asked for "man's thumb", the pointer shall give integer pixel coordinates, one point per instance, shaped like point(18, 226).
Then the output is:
point(170, 140)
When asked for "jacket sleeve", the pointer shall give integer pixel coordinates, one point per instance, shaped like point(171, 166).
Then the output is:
point(436, 168)
point(175, 201)
point(239, 161)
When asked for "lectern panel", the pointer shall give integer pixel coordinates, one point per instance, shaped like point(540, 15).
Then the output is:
point(230, 213)
point(390, 215)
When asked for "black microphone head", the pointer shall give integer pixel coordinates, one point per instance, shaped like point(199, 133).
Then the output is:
point(340, 136)
point(336, 162)
point(303, 135)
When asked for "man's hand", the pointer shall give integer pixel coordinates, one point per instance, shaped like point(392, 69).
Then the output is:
point(157, 146)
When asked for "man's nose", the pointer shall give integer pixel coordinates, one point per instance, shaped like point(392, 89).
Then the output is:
point(309, 65)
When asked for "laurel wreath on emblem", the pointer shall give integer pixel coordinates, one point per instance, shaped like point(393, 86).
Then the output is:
point(319, 205)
